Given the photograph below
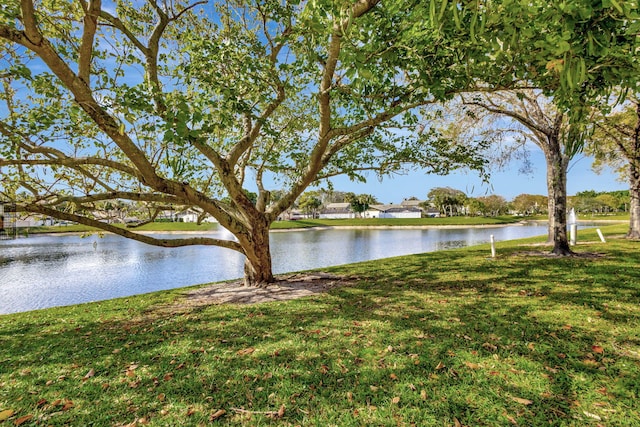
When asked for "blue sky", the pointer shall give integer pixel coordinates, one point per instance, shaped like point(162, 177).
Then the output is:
point(507, 183)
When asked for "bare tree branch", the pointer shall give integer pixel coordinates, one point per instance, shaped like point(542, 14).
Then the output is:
point(167, 243)
point(86, 48)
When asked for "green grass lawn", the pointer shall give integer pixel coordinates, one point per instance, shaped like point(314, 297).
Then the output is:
point(388, 222)
point(308, 223)
point(153, 226)
point(440, 339)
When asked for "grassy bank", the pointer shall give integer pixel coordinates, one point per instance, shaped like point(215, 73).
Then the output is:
point(444, 339)
point(309, 223)
point(398, 222)
point(154, 226)
point(279, 225)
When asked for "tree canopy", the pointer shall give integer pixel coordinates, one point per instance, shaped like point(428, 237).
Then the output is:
point(201, 104)
point(198, 104)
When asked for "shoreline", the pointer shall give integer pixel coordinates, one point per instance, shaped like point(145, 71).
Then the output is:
point(343, 227)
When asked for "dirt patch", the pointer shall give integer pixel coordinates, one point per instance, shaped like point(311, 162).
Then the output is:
point(285, 288)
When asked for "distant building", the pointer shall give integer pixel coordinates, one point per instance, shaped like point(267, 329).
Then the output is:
point(429, 212)
point(337, 211)
point(190, 215)
point(412, 203)
point(186, 216)
point(392, 211)
point(33, 221)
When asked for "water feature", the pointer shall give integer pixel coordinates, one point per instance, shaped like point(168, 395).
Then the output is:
point(46, 271)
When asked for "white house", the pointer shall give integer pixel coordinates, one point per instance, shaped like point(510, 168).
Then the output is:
point(430, 212)
point(337, 211)
point(192, 216)
point(392, 211)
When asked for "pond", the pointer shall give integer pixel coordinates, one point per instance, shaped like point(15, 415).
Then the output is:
point(54, 270)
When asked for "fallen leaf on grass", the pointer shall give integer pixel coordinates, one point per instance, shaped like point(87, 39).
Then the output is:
point(245, 351)
point(395, 400)
point(22, 420)
point(456, 423)
point(597, 349)
point(6, 414)
point(439, 366)
point(219, 413)
point(489, 346)
point(523, 401)
point(472, 365)
point(510, 418)
point(590, 415)
point(89, 374)
point(276, 415)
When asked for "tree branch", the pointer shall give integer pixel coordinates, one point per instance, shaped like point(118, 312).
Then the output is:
point(117, 23)
point(514, 115)
point(252, 133)
point(167, 243)
point(31, 30)
point(119, 195)
point(86, 46)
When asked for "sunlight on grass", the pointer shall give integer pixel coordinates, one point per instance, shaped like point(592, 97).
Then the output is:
point(445, 338)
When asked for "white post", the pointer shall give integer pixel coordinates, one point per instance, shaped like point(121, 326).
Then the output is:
point(601, 236)
point(493, 247)
point(573, 227)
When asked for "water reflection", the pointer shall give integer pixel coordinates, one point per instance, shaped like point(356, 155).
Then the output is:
point(45, 271)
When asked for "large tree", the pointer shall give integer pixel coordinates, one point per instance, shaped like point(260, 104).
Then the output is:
point(309, 203)
point(570, 53)
point(616, 143)
point(192, 103)
point(447, 200)
point(360, 202)
point(529, 204)
point(533, 117)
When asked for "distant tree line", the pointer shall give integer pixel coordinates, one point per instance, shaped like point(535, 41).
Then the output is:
point(453, 202)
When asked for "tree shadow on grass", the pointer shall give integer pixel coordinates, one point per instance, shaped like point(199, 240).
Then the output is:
point(418, 340)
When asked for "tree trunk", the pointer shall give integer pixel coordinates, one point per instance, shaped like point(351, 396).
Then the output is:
point(557, 187)
point(257, 266)
point(634, 180)
point(634, 208)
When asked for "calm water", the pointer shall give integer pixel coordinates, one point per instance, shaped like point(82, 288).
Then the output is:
point(46, 271)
